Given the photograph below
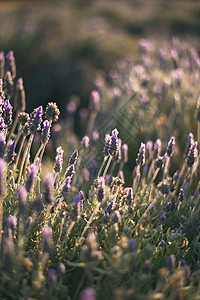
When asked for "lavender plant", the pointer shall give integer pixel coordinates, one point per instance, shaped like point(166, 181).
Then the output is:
point(91, 233)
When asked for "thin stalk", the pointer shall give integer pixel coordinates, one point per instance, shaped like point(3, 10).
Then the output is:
point(27, 159)
point(19, 133)
point(24, 158)
point(182, 172)
point(91, 122)
point(107, 166)
point(166, 168)
point(98, 204)
point(38, 153)
point(102, 165)
point(137, 178)
point(13, 127)
point(198, 132)
point(19, 152)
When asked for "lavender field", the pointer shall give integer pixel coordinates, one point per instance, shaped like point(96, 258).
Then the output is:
point(101, 199)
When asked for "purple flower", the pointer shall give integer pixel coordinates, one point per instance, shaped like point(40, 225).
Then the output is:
point(52, 112)
point(7, 113)
point(73, 158)
point(149, 147)
point(94, 101)
point(21, 195)
point(10, 155)
point(76, 209)
point(192, 155)
point(2, 125)
point(101, 187)
point(28, 224)
point(181, 195)
point(2, 144)
point(58, 160)
point(10, 64)
point(12, 222)
point(107, 144)
point(47, 239)
point(124, 154)
point(86, 175)
point(35, 120)
point(88, 294)
point(116, 217)
point(85, 142)
point(2, 177)
point(32, 174)
point(48, 190)
point(8, 85)
point(171, 262)
point(67, 186)
point(61, 270)
point(129, 196)
point(170, 147)
point(113, 151)
point(106, 217)
point(141, 155)
point(163, 219)
point(190, 142)
point(19, 99)
point(157, 148)
point(70, 171)
point(45, 134)
point(52, 277)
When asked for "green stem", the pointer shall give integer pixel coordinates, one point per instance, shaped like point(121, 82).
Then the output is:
point(102, 165)
point(107, 166)
point(13, 127)
point(24, 157)
point(19, 152)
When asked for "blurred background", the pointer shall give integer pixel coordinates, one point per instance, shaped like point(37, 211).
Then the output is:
point(60, 46)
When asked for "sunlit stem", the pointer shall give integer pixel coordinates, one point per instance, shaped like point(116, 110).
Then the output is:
point(107, 166)
point(166, 168)
point(102, 165)
point(13, 128)
point(24, 158)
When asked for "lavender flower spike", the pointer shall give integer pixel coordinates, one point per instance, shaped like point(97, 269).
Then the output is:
point(36, 119)
point(107, 144)
point(75, 212)
point(48, 190)
point(19, 99)
point(2, 125)
point(2, 144)
point(52, 112)
point(7, 113)
point(66, 187)
point(190, 142)
point(124, 153)
point(58, 160)
point(10, 155)
point(113, 151)
point(73, 158)
point(85, 142)
point(101, 186)
point(170, 147)
point(32, 174)
point(2, 177)
point(192, 155)
point(45, 134)
point(10, 64)
point(47, 239)
point(141, 155)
